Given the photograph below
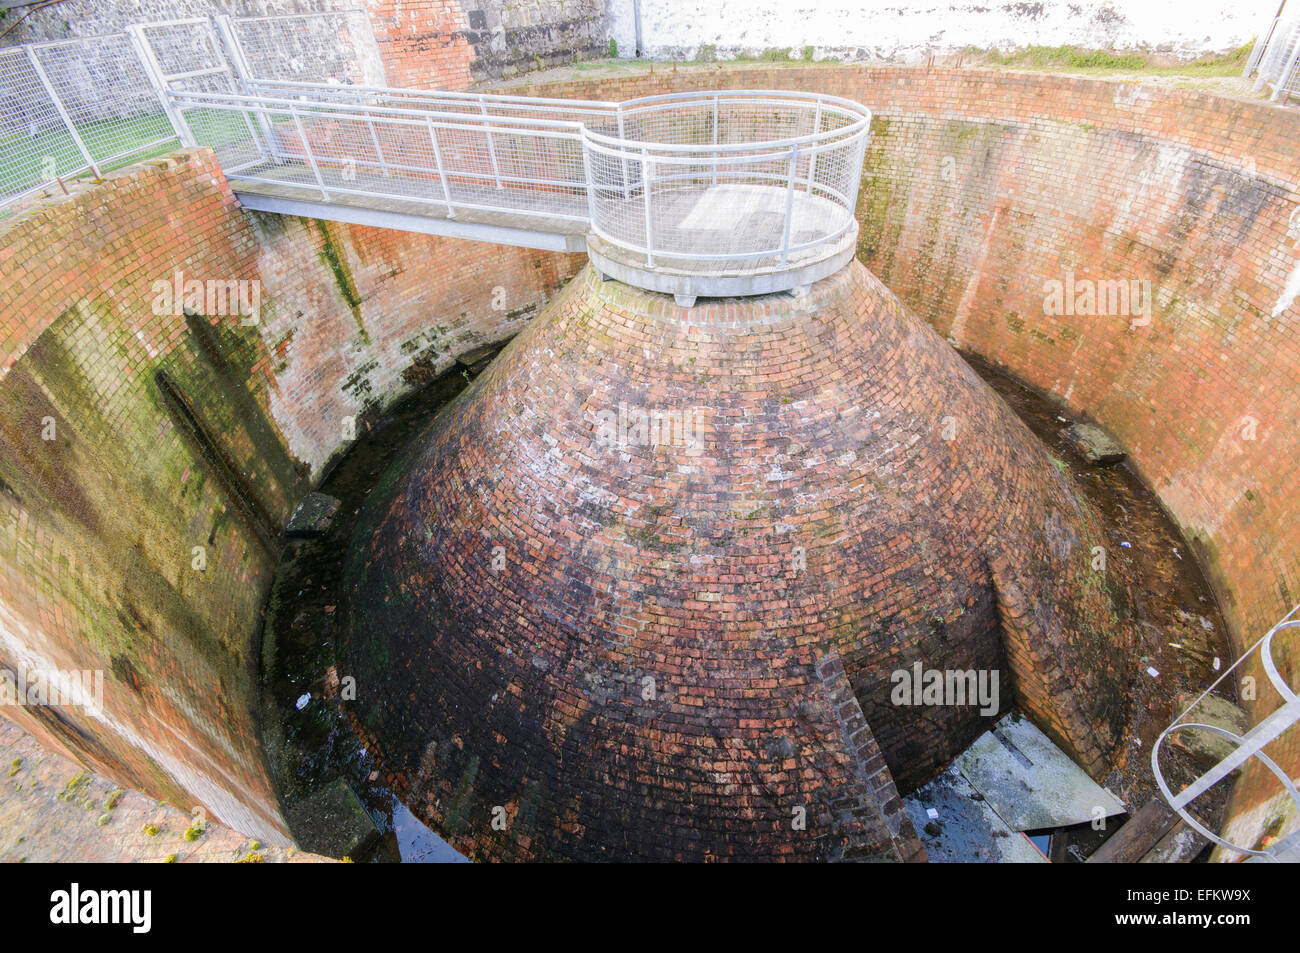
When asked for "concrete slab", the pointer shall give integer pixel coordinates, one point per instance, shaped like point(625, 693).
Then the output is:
point(1206, 748)
point(967, 829)
point(1096, 445)
point(1030, 782)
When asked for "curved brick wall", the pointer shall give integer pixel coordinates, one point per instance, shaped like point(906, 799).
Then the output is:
point(974, 178)
point(171, 433)
point(818, 429)
point(982, 185)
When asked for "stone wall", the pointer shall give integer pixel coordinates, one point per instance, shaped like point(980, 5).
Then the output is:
point(905, 31)
point(149, 459)
point(444, 44)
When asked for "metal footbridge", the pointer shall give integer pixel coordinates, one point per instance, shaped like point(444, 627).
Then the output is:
point(715, 193)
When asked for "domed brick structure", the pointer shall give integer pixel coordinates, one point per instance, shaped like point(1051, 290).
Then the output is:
point(642, 591)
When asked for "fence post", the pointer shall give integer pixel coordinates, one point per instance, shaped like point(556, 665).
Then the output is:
point(244, 76)
point(63, 113)
point(307, 153)
point(1284, 77)
point(442, 175)
point(789, 204)
point(647, 179)
point(153, 70)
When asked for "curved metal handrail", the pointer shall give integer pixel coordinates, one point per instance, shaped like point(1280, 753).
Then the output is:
point(678, 160)
point(1249, 745)
point(699, 184)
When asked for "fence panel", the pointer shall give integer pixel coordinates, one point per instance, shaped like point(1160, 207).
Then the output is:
point(337, 47)
point(75, 106)
point(1278, 64)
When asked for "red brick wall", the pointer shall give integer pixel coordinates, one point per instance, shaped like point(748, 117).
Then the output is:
point(422, 42)
point(97, 526)
point(1110, 179)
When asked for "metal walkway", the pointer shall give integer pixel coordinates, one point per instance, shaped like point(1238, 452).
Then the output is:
point(711, 193)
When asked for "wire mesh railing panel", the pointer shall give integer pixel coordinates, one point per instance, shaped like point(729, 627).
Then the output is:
point(440, 159)
point(107, 93)
point(35, 144)
point(336, 47)
point(730, 180)
point(1278, 66)
point(189, 56)
point(73, 106)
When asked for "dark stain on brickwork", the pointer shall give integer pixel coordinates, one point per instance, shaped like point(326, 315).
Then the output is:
point(332, 257)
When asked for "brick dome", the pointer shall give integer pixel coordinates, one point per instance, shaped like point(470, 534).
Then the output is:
point(581, 632)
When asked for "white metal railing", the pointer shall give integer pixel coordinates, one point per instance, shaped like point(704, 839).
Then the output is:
point(661, 178)
point(1275, 59)
point(736, 181)
point(57, 124)
point(726, 177)
point(1250, 745)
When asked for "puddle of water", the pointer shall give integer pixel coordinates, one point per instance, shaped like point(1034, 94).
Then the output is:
point(417, 844)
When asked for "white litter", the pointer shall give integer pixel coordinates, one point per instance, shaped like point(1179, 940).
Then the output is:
point(1127, 545)
point(1152, 672)
point(932, 813)
point(1217, 663)
point(303, 700)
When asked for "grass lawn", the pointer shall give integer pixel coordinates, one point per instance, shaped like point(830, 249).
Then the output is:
point(25, 160)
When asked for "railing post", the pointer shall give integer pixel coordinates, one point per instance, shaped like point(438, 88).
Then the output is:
point(244, 76)
point(379, 153)
point(646, 173)
point(63, 113)
point(307, 153)
point(789, 204)
point(812, 151)
point(153, 70)
point(437, 158)
point(623, 167)
point(716, 133)
point(492, 152)
point(1287, 69)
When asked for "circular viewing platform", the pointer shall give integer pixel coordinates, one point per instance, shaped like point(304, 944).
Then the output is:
point(724, 194)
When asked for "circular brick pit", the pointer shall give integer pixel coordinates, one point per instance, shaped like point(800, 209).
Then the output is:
point(667, 644)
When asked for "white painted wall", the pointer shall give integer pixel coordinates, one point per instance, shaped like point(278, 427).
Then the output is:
point(908, 30)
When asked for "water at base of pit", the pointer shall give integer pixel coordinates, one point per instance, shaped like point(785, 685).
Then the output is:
point(336, 803)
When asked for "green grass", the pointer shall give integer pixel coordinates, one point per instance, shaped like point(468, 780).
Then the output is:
point(1098, 61)
point(24, 159)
